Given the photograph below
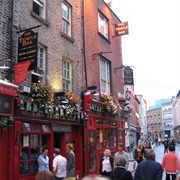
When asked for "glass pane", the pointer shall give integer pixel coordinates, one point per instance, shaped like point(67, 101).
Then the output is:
point(33, 140)
point(120, 136)
point(99, 137)
point(91, 151)
point(34, 163)
point(46, 128)
point(43, 140)
point(106, 137)
point(36, 127)
point(26, 126)
point(24, 167)
point(98, 121)
point(25, 140)
point(113, 138)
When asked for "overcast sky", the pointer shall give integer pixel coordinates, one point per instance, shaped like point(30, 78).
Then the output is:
point(152, 46)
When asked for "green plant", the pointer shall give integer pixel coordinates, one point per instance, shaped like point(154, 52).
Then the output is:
point(41, 93)
point(73, 98)
point(111, 107)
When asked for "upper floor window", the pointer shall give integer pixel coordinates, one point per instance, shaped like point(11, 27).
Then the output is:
point(39, 7)
point(39, 73)
point(66, 18)
point(67, 68)
point(103, 25)
point(104, 76)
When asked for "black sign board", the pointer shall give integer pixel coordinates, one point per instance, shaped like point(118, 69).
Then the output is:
point(61, 128)
point(27, 48)
point(128, 76)
point(6, 104)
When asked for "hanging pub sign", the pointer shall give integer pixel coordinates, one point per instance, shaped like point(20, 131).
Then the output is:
point(128, 76)
point(6, 104)
point(27, 48)
point(121, 29)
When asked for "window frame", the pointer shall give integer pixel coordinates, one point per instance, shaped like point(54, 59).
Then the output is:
point(41, 66)
point(66, 20)
point(28, 142)
point(103, 25)
point(64, 71)
point(42, 8)
point(106, 79)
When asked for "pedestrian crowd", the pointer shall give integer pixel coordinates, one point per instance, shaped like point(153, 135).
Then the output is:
point(61, 167)
point(147, 167)
point(114, 167)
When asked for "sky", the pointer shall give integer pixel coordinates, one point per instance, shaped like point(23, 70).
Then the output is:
point(152, 46)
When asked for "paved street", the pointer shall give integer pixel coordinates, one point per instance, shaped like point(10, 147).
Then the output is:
point(159, 150)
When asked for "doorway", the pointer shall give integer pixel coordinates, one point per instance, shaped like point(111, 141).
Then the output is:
point(57, 140)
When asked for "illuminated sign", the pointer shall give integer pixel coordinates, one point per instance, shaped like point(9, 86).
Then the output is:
point(121, 29)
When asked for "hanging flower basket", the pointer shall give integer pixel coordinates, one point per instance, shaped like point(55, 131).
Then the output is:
point(41, 93)
point(111, 107)
point(73, 98)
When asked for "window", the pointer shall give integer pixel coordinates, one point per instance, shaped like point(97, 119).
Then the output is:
point(39, 7)
point(103, 25)
point(104, 76)
point(66, 19)
point(39, 73)
point(67, 75)
point(33, 139)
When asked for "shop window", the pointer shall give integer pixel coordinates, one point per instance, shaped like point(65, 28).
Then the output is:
point(120, 136)
point(92, 151)
point(99, 137)
point(106, 140)
point(98, 121)
point(34, 137)
point(113, 138)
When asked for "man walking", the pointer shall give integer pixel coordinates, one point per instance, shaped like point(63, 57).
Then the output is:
point(119, 154)
point(170, 163)
point(149, 169)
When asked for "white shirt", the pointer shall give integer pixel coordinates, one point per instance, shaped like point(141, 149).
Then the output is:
point(60, 163)
point(106, 166)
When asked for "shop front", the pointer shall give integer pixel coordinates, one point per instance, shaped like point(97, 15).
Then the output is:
point(36, 128)
point(102, 131)
point(8, 92)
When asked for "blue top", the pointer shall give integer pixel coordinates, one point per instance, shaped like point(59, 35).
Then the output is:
point(43, 163)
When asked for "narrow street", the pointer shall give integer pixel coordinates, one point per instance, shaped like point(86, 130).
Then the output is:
point(159, 151)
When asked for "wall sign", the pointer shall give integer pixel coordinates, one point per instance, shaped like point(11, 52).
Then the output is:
point(6, 104)
point(61, 128)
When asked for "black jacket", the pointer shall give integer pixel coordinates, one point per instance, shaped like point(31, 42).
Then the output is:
point(111, 160)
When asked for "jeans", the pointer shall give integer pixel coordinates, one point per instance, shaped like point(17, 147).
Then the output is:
point(71, 172)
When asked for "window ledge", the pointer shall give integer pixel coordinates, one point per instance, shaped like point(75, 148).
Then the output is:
point(67, 37)
point(43, 21)
point(104, 37)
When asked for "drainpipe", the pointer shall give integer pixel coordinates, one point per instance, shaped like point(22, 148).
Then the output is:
point(11, 40)
point(85, 73)
point(84, 42)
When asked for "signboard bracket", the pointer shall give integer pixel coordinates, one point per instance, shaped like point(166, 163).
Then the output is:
point(29, 28)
